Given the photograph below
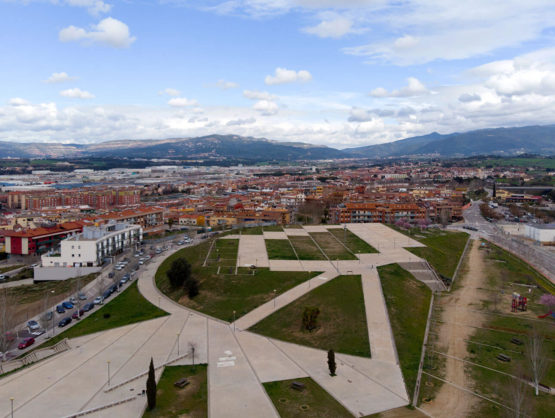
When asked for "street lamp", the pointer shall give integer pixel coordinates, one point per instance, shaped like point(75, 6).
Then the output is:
point(233, 321)
point(274, 298)
point(108, 362)
point(11, 401)
point(178, 334)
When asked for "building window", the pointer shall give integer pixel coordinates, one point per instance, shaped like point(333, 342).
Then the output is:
point(73, 255)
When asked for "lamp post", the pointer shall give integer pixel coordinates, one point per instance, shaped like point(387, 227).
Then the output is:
point(108, 362)
point(274, 298)
point(233, 321)
point(11, 401)
point(178, 334)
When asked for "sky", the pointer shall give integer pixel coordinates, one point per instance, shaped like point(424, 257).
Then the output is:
point(341, 73)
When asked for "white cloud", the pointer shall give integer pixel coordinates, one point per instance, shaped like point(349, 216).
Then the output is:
point(76, 93)
point(467, 98)
point(226, 85)
point(182, 102)
point(59, 78)
point(413, 88)
point(94, 7)
point(108, 31)
point(258, 95)
point(336, 28)
point(240, 122)
point(266, 107)
point(283, 75)
point(170, 92)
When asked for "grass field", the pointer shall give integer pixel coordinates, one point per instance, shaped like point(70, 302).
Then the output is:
point(128, 308)
point(280, 249)
point(341, 323)
point(352, 242)
point(257, 230)
point(221, 294)
point(315, 401)
point(306, 249)
point(273, 228)
point(333, 249)
point(224, 253)
point(408, 302)
point(443, 249)
point(190, 401)
point(502, 271)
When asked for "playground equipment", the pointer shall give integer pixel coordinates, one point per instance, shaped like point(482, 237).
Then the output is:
point(519, 303)
point(547, 314)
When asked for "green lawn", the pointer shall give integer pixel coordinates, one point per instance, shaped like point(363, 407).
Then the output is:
point(280, 249)
point(190, 401)
point(273, 228)
point(334, 250)
point(224, 253)
point(221, 294)
point(315, 401)
point(352, 242)
point(408, 302)
point(127, 308)
point(341, 323)
point(306, 249)
point(443, 249)
point(500, 325)
point(257, 230)
point(9, 268)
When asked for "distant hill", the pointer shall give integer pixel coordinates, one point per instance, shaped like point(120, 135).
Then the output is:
point(501, 141)
point(211, 147)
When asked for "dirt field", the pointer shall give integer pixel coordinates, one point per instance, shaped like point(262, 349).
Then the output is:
point(450, 401)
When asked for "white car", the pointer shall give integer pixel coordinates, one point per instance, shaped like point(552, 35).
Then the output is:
point(99, 300)
point(2, 277)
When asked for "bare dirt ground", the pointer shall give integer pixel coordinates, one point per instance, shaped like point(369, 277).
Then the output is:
point(450, 401)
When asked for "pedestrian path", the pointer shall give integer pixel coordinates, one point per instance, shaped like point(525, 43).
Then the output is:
point(252, 251)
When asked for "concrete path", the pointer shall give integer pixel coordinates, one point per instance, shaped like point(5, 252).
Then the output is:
point(295, 232)
point(16, 283)
point(280, 301)
point(274, 235)
point(252, 251)
point(382, 344)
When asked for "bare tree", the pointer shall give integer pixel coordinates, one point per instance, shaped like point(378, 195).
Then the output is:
point(444, 216)
point(518, 392)
point(7, 318)
point(535, 354)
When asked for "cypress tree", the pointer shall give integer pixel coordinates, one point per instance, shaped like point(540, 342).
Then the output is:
point(331, 362)
point(151, 386)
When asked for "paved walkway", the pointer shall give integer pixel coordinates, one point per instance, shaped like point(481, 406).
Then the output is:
point(252, 251)
point(239, 361)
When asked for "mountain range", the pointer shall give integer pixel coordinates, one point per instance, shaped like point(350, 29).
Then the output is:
point(500, 141)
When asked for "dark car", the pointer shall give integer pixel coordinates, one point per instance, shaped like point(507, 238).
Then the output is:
point(111, 274)
point(60, 309)
point(67, 305)
point(48, 316)
point(78, 314)
point(26, 343)
point(106, 294)
point(88, 307)
point(64, 322)
point(113, 288)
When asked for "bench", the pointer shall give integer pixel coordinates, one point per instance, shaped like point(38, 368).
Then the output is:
point(503, 357)
point(516, 341)
point(298, 386)
point(181, 383)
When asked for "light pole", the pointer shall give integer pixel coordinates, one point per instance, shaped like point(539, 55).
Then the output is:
point(274, 298)
point(178, 334)
point(11, 401)
point(108, 362)
point(233, 321)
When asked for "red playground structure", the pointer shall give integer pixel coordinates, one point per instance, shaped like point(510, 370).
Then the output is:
point(519, 303)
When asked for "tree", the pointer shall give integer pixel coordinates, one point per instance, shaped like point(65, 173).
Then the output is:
point(151, 386)
point(331, 362)
point(536, 357)
point(519, 401)
point(192, 287)
point(170, 222)
point(310, 317)
point(7, 305)
point(179, 272)
point(444, 216)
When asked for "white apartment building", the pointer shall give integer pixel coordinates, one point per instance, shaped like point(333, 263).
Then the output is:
point(90, 247)
point(543, 233)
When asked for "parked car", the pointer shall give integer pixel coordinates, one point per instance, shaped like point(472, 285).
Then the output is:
point(88, 307)
point(26, 343)
point(78, 314)
point(113, 288)
point(82, 296)
point(2, 277)
point(33, 325)
point(118, 268)
point(67, 305)
point(72, 300)
point(111, 274)
point(48, 316)
point(99, 300)
point(60, 309)
point(106, 294)
point(64, 322)
point(141, 262)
